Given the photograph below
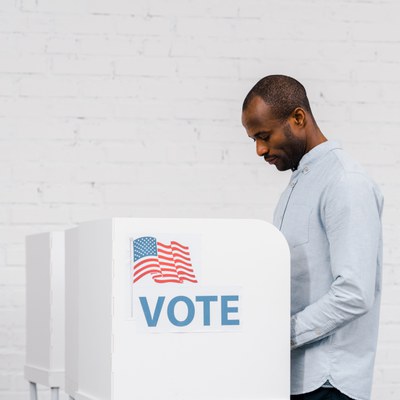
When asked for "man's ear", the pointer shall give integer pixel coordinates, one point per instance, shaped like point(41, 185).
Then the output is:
point(299, 117)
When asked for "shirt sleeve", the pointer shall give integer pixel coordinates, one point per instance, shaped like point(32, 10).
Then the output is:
point(351, 214)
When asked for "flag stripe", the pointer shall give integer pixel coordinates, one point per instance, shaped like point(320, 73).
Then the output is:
point(190, 280)
point(170, 254)
point(145, 261)
point(169, 261)
point(178, 259)
point(173, 242)
point(153, 267)
point(185, 270)
point(139, 276)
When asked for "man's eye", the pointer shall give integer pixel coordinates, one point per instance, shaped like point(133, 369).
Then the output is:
point(265, 137)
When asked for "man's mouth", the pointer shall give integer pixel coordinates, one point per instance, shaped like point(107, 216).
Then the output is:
point(271, 160)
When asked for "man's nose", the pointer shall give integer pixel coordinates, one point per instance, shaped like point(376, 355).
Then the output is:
point(261, 147)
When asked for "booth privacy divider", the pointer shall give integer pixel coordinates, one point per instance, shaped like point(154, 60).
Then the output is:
point(45, 315)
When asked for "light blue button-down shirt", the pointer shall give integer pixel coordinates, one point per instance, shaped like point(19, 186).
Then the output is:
point(330, 214)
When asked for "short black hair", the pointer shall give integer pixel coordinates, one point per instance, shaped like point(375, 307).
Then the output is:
point(283, 93)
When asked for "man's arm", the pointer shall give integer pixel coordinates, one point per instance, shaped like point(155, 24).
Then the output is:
point(351, 215)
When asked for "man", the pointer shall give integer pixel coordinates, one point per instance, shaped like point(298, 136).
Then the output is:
point(330, 214)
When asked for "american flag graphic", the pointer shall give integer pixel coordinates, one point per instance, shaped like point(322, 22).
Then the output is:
point(164, 262)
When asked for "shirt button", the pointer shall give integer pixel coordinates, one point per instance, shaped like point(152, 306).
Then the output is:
point(305, 169)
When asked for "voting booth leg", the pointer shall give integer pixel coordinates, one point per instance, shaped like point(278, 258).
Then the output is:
point(33, 390)
point(54, 393)
point(53, 396)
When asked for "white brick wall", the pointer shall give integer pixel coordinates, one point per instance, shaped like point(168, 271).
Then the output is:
point(132, 108)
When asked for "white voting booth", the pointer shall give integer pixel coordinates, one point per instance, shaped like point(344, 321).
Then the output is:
point(45, 311)
point(187, 309)
point(177, 309)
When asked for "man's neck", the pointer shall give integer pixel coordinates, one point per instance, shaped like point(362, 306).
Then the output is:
point(314, 138)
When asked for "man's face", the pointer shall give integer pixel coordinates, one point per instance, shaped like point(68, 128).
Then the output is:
point(280, 143)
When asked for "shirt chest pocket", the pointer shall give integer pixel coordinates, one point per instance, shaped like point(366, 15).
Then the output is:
point(296, 224)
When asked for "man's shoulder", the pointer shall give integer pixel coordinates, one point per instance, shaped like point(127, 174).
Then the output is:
point(345, 168)
point(346, 164)
point(348, 175)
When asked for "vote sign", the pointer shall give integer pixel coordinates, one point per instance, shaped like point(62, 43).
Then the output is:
point(167, 293)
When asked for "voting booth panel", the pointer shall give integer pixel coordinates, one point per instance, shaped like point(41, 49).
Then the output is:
point(88, 312)
point(177, 309)
point(45, 309)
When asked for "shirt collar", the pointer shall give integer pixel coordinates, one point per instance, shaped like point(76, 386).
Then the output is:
point(314, 155)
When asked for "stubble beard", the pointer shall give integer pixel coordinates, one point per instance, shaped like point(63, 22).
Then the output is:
point(295, 149)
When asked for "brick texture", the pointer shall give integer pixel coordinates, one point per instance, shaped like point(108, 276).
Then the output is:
point(132, 108)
